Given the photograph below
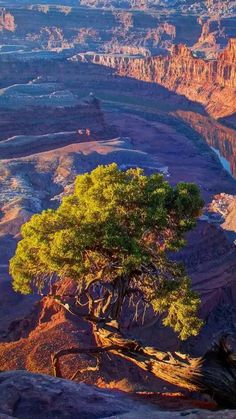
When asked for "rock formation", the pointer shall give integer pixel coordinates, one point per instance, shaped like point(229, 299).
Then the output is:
point(212, 83)
point(7, 21)
point(26, 396)
point(225, 206)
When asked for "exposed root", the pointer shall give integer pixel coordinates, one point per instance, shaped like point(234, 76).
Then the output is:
point(214, 374)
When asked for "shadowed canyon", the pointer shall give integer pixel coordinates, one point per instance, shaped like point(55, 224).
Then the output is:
point(148, 84)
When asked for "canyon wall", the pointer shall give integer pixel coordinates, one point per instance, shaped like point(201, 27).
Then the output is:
point(210, 82)
point(132, 26)
point(7, 21)
point(216, 135)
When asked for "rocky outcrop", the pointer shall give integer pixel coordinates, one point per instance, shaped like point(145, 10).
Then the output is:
point(149, 26)
point(7, 21)
point(212, 39)
point(212, 83)
point(26, 396)
point(225, 206)
point(218, 6)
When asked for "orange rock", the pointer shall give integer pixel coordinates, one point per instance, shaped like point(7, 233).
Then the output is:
point(210, 82)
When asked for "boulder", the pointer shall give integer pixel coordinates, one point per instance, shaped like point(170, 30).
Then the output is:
point(33, 396)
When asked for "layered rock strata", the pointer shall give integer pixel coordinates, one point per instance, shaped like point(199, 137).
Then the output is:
point(210, 82)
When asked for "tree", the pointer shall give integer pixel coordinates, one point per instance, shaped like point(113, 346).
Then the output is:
point(114, 236)
point(116, 231)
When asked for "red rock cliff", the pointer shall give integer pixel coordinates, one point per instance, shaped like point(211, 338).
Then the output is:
point(7, 21)
point(210, 82)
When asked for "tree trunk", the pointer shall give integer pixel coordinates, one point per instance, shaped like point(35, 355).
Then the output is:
point(213, 374)
point(121, 289)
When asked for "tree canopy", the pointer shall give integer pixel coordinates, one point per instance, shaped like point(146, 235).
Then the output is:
point(116, 231)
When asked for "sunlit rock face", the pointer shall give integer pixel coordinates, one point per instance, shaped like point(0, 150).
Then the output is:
point(7, 21)
point(212, 83)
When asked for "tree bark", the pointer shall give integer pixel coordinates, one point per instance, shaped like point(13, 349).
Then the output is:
point(121, 287)
point(213, 374)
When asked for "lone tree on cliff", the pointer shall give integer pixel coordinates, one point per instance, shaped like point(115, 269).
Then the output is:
point(113, 237)
point(115, 231)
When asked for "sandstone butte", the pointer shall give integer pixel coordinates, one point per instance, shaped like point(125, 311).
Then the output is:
point(210, 82)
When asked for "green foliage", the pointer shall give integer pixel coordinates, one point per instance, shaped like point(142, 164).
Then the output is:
point(116, 225)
